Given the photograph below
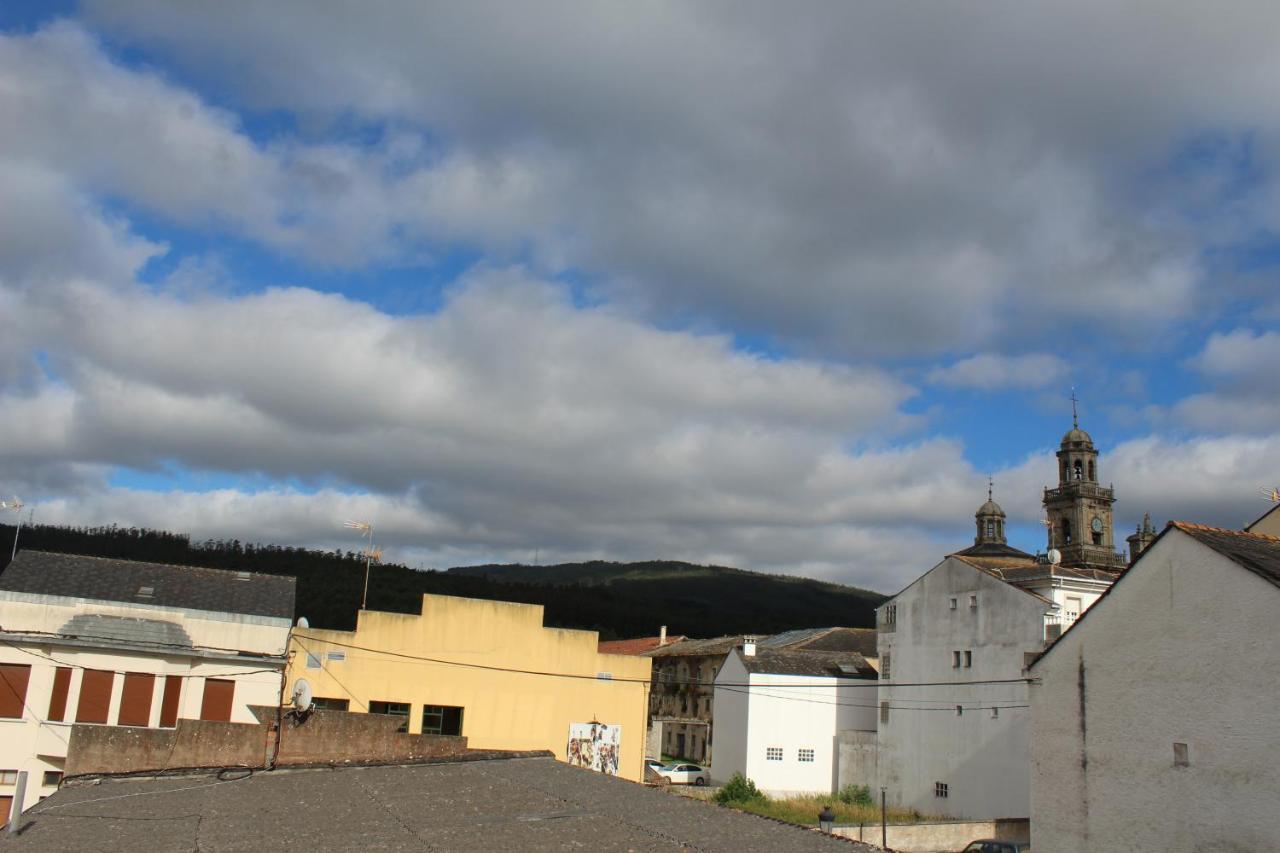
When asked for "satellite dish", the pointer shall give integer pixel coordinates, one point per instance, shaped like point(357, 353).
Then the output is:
point(303, 623)
point(1055, 556)
point(301, 696)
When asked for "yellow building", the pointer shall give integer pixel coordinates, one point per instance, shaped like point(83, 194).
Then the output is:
point(488, 670)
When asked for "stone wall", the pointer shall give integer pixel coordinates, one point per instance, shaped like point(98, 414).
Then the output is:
point(320, 737)
point(856, 759)
point(938, 837)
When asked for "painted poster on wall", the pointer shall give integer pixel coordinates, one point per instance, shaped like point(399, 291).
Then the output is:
point(595, 746)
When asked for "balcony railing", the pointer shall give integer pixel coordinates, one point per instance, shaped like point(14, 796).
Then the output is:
point(1088, 490)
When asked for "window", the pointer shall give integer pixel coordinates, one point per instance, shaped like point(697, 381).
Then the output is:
point(604, 676)
point(889, 616)
point(313, 661)
point(394, 709)
point(169, 702)
point(135, 699)
point(51, 778)
point(953, 604)
point(968, 658)
point(336, 657)
point(995, 713)
point(1181, 758)
point(95, 696)
point(1072, 605)
point(324, 703)
point(955, 660)
point(58, 698)
point(884, 712)
point(773, 753)
point(146, 592)
point(219, 696)
point(959, 710)
point(441, 720)
point(8, 777)
point(806, 755)
point(13, 689)
point(973, 601)
point(884, 667)
point(940, 789)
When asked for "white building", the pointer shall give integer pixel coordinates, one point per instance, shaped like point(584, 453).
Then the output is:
point(113, 642)
point(1153, 720)
point(954, 724)
point(779, 712)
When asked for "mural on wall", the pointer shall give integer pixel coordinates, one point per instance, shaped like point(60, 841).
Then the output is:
point(595, 746)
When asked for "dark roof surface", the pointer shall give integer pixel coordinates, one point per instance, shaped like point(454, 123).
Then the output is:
point(527, 804)
point(713, 646)
point(829, 664)
point(1256, 552)
point(994, 549)
point(861, 640)
point(76, 576)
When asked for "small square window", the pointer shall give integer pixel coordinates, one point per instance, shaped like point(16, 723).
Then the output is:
point(953, 604)
point(955, 660)
point(940, 789)
point(959, 710)
point(806, 755)
point(995, 713)
point(146, 592)
point(1181, 756)
point(773, 753)
point(337, 657)
point(52, 777)
point(8, 777)
point(313, 661)
point(441, 720)
point(604, 676)
point(973, 601)
point(884, 712)
point(968, 658)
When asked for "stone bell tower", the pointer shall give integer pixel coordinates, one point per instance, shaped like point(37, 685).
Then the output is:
point(1079, 510)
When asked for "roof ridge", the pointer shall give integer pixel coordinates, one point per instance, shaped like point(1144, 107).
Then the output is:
point(132, 561)
point(1208, 528)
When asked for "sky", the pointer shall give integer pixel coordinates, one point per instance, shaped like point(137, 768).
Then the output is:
point(762, 285)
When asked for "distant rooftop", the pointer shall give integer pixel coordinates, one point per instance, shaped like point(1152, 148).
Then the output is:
point(157, 584)
point(831, 664)
point(637, 646)
point(527, 804)
point(1256, 552)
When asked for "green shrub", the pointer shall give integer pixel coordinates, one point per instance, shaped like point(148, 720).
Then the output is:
point(855, 795)
point(738, 789)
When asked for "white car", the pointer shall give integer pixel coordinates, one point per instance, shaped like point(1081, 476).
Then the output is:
point(653, 764)
point(683, 773)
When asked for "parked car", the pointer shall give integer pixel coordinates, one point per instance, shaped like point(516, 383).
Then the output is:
point(683, 773)
point(986, 845)
point(653, 764)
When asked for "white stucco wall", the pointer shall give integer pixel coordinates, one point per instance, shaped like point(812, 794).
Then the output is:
point(37, 745)
point(1181, 651)
point(790, 713)
point(983, 759)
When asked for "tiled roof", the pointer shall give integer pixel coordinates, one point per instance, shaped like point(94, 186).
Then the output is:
point(1256, 552)
point(837, 664)
point(637, 646)
point(690, 648)
point(525, 804)
point(837, 639)
point(156, 584)
point(993, 549)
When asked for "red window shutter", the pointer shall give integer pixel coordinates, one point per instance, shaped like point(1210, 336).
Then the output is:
point(218, 696)
point(135, 699)
point(95, 696)
point(169, 704)
point(58, 699)
point(13, 689)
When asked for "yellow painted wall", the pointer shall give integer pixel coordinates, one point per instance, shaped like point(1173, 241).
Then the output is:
point(502, 710)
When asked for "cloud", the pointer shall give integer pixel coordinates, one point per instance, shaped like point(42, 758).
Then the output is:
point(1240, 365)
point(990, 372)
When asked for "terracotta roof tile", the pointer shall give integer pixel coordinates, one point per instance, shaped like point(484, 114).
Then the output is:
point(636, 646)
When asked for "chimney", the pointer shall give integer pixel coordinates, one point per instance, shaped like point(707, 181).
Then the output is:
point(749, 647)
point(662, 635)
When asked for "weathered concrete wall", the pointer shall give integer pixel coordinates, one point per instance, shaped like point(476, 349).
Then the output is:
point(857, 759)
point(1180, 652)
point(321, 737)
point(939, 837)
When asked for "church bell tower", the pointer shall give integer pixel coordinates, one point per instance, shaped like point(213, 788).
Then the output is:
point(1079, 510)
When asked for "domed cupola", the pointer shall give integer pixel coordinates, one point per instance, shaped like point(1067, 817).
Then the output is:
point(990, 519)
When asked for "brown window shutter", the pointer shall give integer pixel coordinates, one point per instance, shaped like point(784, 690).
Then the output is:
point(95, 696)
point(135, 699)
point(58, 699)
point(13, 689)
point(169, 704)
point(218, 695)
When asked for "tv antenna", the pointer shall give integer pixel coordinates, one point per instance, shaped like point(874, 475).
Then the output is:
point(366, 532)
point(15, 505)
point(302, 698)
point(1271, 493)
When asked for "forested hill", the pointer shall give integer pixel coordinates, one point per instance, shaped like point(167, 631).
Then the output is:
point(616, 599)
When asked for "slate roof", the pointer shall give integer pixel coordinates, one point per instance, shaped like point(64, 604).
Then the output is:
point(692, 648)
point(526, 804)
point(836, 639)
point(1256, 552)
point(994, 549)
point(191, 587)
point(788, 662)
point(637, 646)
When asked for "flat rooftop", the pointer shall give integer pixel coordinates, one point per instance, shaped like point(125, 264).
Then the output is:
point(525, 804)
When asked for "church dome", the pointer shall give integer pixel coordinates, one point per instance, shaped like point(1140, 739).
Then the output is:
point(990, 508)
point(1076, 436)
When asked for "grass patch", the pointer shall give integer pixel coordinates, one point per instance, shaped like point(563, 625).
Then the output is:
point(804, 809)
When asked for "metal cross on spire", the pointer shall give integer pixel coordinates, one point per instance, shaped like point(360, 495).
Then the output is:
point(990, 486)
point(1075, 418)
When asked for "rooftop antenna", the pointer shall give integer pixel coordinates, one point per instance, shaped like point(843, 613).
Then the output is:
point(366, 531)
point(1271, 493)
point(1075, 418)
point(15, 505)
